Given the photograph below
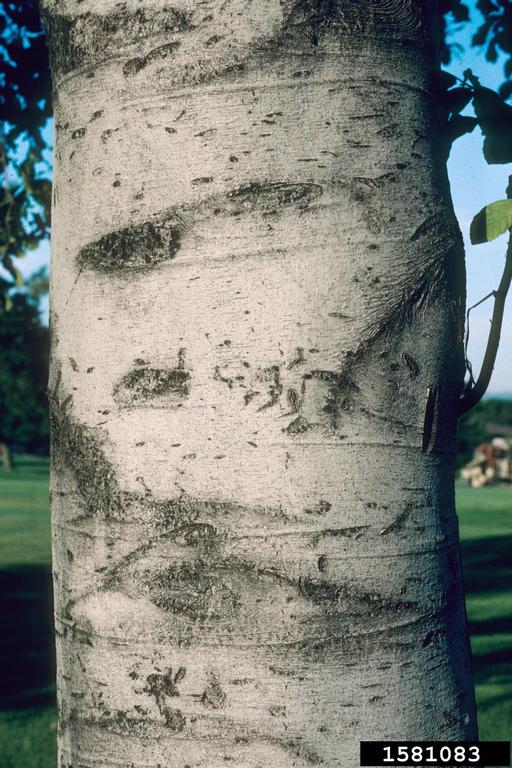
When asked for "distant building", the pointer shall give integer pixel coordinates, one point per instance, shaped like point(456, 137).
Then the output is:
point(491, 464)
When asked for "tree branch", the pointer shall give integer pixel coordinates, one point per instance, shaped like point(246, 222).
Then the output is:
point(473, 395)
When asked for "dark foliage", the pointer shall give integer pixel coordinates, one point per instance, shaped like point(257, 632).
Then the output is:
point(23, 376)
point(25, 106)
point(495, 36)
point(450, 12)
point(26, 640)
point(25, 103)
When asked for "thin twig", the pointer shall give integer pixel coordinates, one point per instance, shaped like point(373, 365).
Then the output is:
point(469, 367)
point(475, 393)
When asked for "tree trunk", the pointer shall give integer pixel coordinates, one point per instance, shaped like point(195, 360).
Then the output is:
point(257, 303)
point(6, 457)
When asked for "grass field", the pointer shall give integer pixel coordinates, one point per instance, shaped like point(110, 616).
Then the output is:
point(485, 516)
point(27, 715)
point(27, 711)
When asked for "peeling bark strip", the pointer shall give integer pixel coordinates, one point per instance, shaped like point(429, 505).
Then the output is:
point(137, 247)
point(430, 421)
point(78, 41)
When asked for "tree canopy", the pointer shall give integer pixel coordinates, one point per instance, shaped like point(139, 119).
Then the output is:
point(25, 104)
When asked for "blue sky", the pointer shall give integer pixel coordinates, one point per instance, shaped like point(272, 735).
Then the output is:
point(473, 184)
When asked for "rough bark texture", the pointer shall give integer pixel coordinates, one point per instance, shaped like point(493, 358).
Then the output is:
point(256, 314)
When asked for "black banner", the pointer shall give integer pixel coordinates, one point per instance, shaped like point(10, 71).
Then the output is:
point(435, 753)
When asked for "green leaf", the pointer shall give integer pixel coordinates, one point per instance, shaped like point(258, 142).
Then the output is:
point(506, 90)
point(457, 98)
point(491, 221)
point(445, 80)
point(458, 125)
point(495, 118)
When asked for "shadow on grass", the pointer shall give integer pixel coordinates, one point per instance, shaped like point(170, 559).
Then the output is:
point(490, 626)
point(487, 564)
point(26, 638)
point(495, 667)
point(27, 642)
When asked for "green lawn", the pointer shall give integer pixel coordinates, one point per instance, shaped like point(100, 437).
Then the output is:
point(27, 715)
point(24, 523)
point(485, 516)
point(27, 710)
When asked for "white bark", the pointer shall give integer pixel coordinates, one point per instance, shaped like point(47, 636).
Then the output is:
point(256, 312)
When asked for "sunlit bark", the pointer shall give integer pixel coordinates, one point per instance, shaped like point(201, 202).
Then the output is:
point(257, 296)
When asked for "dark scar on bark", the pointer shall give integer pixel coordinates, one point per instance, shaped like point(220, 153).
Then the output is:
point(196, 590)
point(83, 40)
point(144, 383)
point(268, 197)
point(298, 426)
point(161, 687)
point(213, 696)
point(118, 722)
point(412, 365)
point(397, 317)
point(272, 379)
point(340, 391)
point(397, 524)
point(164, 685)
point(211, 586)
point(78, 449)
point(137, 247)
point(140, 247)
point(429, 225)
point(349, 599)
point(162, 52)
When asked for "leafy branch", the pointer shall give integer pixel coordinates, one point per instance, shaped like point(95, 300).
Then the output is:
point(494, 117)
point(493, 220)
point(25, 103)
